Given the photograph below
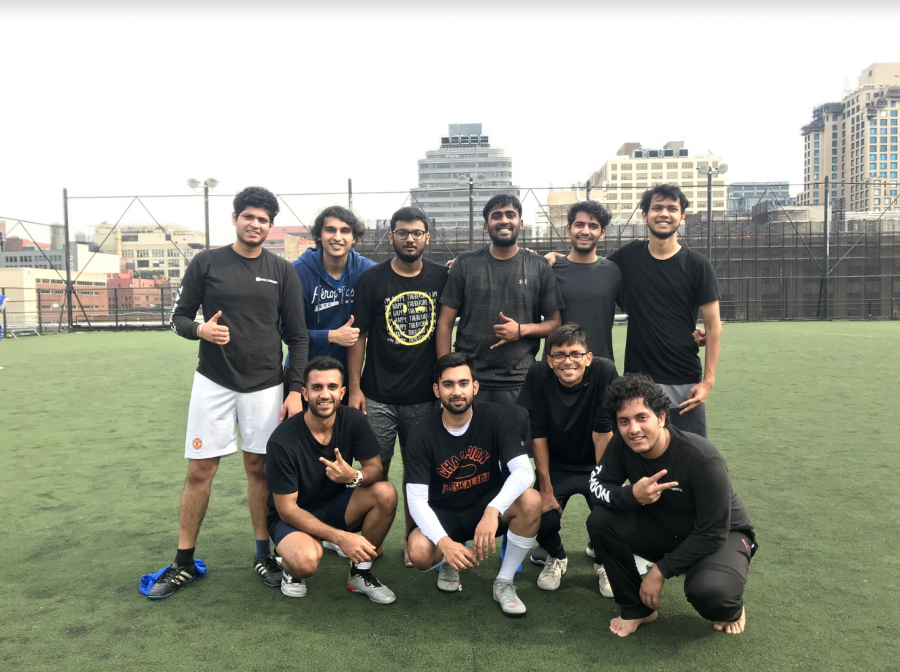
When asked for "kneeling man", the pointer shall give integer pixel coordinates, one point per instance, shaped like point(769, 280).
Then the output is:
point(315, 493)
point(680, 511)
point(455, 490)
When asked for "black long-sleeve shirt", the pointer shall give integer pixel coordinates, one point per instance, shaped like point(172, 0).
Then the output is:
point(253, 295)
point(700, 511)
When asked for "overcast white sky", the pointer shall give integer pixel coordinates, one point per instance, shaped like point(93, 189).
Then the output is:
point(298, 100)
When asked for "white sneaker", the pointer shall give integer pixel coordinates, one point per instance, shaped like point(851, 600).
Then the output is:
point(605, 589)
point(552, 573)
point(291, 587)
point(333, 547)
point(589, 551)
point(448, 579)
point(505, 594)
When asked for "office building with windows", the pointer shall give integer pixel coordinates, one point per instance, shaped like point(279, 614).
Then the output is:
point(150, 250)
point(464, 152)
point(854, 144)
point(743, 196)
point(622, 180)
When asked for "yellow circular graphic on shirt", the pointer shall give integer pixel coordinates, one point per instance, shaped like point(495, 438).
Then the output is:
point(410, 317)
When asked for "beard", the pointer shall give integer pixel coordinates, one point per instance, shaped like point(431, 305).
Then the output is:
point(503, 242)
point(665, 235)
point(252, 243)
point(459, 411)
point(319, 413)
point(406, 256)
point(578, 245)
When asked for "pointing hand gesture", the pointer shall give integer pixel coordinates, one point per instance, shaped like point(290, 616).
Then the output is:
point(507, 331)
point(345, 336)
point(214, 332)
point(648, 490)
point(338, 471)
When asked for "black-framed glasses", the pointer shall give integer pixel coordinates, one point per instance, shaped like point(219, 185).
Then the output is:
point(403, 234)
point(561, 356)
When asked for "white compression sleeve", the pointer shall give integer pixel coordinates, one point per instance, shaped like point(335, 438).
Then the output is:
point(417, 499)
point(520, 479)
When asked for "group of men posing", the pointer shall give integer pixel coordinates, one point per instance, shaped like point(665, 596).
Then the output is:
point(371, 360)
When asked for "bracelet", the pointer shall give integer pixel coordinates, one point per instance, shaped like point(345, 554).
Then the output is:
point(357, 481)
point(199, 329)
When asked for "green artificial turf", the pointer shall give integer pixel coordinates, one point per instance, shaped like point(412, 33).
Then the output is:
point(92, 469)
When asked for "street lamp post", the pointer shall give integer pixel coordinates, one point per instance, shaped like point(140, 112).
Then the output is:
point(709, 171)
point(209, 183)
point(471, 180)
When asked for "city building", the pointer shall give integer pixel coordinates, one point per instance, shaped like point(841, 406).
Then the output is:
point(743, 196)
point(38, 296)
point(127, 292)
point(27, 254)
point(853, 143)
point(288, 242)
point(551, 219)
point(150, 250)
point(622, 180)
point(464, 152)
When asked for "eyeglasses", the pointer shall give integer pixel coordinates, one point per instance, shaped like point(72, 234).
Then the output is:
point(561, 356)
point(403, 234)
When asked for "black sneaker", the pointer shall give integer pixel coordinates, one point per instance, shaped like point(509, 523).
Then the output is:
point(172, 579)
point(269, 569)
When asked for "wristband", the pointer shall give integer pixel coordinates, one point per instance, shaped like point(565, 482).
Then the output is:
point(356, 482)
point(199, 329)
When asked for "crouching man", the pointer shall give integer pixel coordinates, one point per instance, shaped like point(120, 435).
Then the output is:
point(455, 490)
point(316, 493)
point(680, 512)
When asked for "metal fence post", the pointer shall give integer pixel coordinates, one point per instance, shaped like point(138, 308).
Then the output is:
point(825, 311)
point(68, 257)
point(116, 304)
point(40, 318)
point(162, 308)
point(3, 291)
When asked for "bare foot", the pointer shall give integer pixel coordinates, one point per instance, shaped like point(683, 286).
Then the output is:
point(406, 561)
point(733, 627)
point(624, 627)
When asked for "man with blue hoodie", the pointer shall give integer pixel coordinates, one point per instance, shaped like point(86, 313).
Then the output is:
point(329, 274)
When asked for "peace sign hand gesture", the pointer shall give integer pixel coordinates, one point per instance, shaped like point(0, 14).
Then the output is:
point(338, 470)
point(648, 491)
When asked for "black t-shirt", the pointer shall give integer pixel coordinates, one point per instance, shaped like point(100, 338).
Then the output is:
point(460, 470)
point(292, 458)
point(480, 286)
point(662, 297)
point(566, 416)
point(254, 295)
point(700, 511)
point(398, 315)
point(590, 292)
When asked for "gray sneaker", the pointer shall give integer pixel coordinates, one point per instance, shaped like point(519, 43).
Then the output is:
point(605, 589)
point(362, 581)
point(448, 579)
point(539, 556)
point(505, 594)
point(291, 587)
point(552, 573)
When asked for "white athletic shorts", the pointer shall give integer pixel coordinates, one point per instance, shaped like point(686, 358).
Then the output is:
point(215, 413)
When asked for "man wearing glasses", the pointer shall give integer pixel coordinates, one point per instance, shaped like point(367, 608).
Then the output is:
point(395, 311)
point(569, 433)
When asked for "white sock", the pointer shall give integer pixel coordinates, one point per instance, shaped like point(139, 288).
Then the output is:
point(364, 565)
point(516, 549)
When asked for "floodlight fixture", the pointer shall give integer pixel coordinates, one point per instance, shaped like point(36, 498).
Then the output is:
point(723, 169)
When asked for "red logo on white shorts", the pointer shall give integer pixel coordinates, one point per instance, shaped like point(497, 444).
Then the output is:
point(197, 443)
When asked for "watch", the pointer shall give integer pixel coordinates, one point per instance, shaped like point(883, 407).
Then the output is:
point(356, 482)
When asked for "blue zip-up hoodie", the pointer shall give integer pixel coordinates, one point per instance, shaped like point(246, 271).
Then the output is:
point(326, 307)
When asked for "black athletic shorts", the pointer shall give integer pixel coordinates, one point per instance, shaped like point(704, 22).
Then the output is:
point(460, 525)
point(333, 514)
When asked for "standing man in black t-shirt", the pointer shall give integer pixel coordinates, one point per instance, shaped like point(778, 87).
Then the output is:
point(246, 292)
point(500, 293)
point(456, 491)
point(679, 511)
point(588, 282)
point(569, 432)
point(664, 285)
point(317, 495)
point(395, 310)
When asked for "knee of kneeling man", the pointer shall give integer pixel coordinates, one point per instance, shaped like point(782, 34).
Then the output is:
point(385, 494)
point(600, 520)
point(302, 566)
point(531, 502)
point(709, 589)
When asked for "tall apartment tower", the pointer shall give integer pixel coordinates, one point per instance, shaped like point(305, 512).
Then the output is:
point(464, 152)
point(854, 143)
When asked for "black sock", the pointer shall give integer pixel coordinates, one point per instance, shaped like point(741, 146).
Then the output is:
point(184, 556)
point(562, 554)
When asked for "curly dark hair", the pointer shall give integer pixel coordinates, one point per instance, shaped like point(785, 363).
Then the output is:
point(450, 361)
point(322, 364)
point(594, 209)
point(356, 225)
point(664, 191)
point(500, 201)
point(635, 386)
point(256, 197)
